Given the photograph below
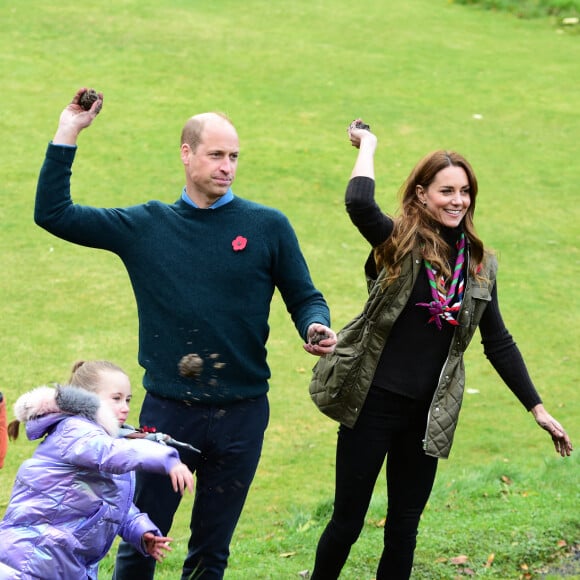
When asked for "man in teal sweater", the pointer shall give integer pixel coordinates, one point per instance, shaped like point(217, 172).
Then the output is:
point(203, 270)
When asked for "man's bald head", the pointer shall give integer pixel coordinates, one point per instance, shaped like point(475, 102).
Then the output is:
point(193, 130)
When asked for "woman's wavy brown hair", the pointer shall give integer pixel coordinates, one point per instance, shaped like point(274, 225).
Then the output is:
point(415, 227)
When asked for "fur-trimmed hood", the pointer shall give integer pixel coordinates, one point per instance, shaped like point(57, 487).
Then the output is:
point(46, 405)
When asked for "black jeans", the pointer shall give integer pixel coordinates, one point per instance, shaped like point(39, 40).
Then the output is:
point(230, 438)
point(389, 425)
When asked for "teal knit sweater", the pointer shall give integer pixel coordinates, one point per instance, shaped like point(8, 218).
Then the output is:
point(196, 291)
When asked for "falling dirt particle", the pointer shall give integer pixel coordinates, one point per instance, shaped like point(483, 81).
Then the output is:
point(219, 365)
point(190, 366)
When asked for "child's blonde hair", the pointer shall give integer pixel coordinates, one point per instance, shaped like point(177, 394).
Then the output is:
point(84, 374)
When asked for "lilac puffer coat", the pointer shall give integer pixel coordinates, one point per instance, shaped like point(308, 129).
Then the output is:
point(75, 494)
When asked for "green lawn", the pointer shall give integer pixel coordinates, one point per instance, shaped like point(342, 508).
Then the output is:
point(425, 74)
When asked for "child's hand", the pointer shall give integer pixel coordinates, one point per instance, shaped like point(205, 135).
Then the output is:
point(181, 478)
point(154, 545)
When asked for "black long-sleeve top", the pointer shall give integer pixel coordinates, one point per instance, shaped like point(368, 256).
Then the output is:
point(415, 351)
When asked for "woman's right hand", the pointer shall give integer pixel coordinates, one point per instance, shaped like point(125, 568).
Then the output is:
point(366, 143)
point(357, 135)
point(181, 478)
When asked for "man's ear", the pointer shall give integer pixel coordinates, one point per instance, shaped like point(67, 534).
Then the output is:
point(185, 151)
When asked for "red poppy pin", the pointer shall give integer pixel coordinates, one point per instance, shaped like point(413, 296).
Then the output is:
point(239, 243)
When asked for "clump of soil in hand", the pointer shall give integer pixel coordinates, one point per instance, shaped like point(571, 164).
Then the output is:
point(317, 337)
point(190, 366)
point(88, 98)
point(361, 125)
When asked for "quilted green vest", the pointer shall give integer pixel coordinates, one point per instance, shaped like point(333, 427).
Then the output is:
point(341, 380)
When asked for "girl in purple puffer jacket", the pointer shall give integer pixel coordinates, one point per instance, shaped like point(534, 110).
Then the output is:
point(75, 494)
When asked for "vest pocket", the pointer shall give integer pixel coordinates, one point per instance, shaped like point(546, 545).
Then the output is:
point(335, 374)
point(481, 297)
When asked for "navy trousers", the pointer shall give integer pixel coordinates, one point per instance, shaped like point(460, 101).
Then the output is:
point(230, 438)
point(389, 425)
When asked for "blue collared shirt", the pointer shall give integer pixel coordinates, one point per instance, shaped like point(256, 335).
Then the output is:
point(226, 198)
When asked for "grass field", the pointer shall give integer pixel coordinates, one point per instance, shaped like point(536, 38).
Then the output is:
point(425, 74)
point(564, 12)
